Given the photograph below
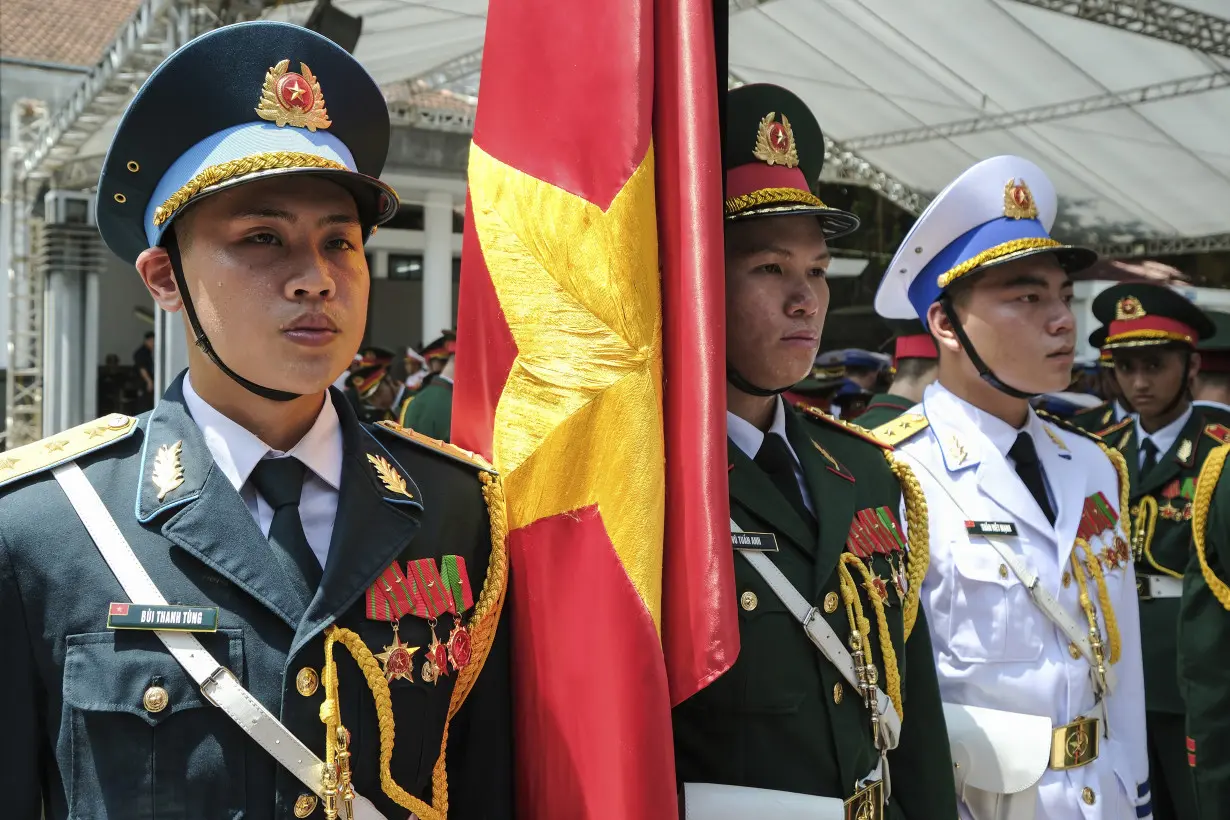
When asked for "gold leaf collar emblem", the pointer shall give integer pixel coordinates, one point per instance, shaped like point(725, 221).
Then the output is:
point(392, 480)
point(168, 471)
point(288, 98)
point(775, 142)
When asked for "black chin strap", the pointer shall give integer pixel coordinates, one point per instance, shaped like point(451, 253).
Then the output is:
point(743, 384)
point(201, 340)
point(1184, 389)
point(983, 371)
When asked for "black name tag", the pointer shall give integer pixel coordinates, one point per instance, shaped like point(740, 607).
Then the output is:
point(754, 541)
point(990, 528)
point(169, 617)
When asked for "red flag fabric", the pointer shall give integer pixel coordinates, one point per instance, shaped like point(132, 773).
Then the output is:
point(590, 371)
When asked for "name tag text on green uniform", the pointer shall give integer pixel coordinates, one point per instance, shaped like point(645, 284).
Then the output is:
point(754, 541)
point(171, 618)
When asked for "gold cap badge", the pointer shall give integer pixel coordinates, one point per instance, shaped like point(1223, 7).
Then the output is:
point(1128, 308)
point(775, 142)
point(1018, 201)
point(288, 98)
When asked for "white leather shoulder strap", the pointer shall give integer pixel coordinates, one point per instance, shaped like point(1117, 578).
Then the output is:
point(823, 636)
point(1052, 609)
point(218, 685)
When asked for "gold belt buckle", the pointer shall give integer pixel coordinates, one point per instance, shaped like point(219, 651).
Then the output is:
point(1075, 744)
point(867, 803)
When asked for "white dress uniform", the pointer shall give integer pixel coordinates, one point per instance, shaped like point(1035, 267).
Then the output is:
point(994, 648)
point(1026, 662)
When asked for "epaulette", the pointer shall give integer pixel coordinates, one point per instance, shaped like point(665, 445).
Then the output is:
point(61, 448)
point(901, 429)
point(442, 447)
point(1067, 426)
point(1218, 432)
point(852, 429)
point(1107, 432)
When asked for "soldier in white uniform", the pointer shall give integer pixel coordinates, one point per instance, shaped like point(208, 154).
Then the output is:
point(1042, 683)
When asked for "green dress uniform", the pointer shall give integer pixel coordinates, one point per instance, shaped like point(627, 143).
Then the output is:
point(1094, 419)
point(783, 717)
point(431, 412)
point(1139, 315)
point(818, 499)
point(297, 670)
point(1204, 637)
point(882, 408)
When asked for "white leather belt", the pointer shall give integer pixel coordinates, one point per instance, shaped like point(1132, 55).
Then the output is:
point(218, 684)
point(1158, 586)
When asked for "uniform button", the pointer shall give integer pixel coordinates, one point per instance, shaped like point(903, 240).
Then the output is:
point(830, 603)
point(305, 805)
point(1074, 651)
point(307, 681)
point(1067, 580)
point(748, 600)
point(155, 699)
point(1088, 796)
point(1003, 570)
point(838, 693)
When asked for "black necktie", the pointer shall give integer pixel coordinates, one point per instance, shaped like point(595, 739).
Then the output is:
point(1025, 457)
point(280, 483)
point(1149, 450)
point(775, 459)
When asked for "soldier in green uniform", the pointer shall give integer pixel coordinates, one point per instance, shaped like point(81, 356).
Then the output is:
point(1212, 388)
point(818, 502)
point(1101, 416)
point(1204, 636)
point(248, 603)
point(431, 412)
point(915, 365)
point(1152, 333)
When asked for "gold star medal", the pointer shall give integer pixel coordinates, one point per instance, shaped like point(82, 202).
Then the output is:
point(397, 659)
point(389, 599)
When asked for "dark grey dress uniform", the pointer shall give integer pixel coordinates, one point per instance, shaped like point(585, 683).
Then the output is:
point(103, 723)
point(85, 731)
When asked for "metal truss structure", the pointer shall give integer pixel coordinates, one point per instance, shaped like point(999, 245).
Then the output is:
point(1150, 18)
point(1043, 113)
point(46, 143)
point(1137, 248)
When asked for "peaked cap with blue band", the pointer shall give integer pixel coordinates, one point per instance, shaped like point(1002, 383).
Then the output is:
point(999, 210)
point(240, 103)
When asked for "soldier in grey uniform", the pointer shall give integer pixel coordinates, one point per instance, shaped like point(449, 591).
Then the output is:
point(248, 603)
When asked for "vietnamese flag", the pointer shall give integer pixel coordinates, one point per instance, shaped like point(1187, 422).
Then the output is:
point(591, 372)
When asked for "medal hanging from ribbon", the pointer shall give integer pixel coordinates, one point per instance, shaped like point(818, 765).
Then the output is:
point(389, 599)
point(431, 599)
point(461, 600)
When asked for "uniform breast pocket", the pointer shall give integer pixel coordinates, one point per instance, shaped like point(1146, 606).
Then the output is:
point(776, 661)
point(993, 617)
point(137, 739)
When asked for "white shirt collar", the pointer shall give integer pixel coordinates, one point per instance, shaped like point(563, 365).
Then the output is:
point(236, 450)
point(1164, 438)
point(748, 438)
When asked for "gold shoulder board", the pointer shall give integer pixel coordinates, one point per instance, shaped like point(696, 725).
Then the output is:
point(442, 447)
point(817, 414)
point(901, 429)
point(64, 447)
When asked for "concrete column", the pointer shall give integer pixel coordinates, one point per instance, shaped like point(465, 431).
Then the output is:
point(170, 350)
point(437, 264)
point(63, 321)
point(89, 347)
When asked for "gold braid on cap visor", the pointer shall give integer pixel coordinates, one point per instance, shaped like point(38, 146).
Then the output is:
point(254, 164)
point(994, 255)
point(772, 196)
point(1139, 338)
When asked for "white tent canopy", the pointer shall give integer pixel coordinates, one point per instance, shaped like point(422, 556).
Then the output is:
point(871, 67)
